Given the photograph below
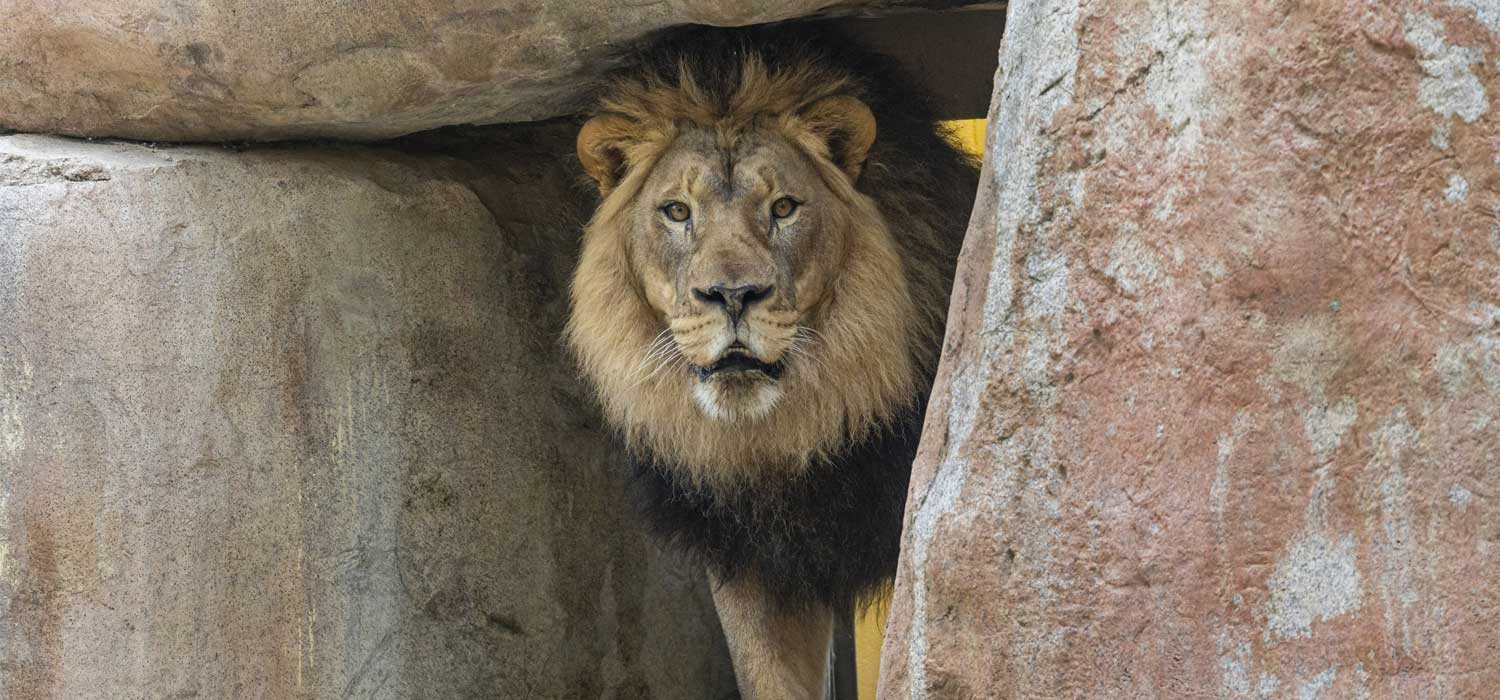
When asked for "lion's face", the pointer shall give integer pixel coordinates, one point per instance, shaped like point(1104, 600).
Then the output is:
point(735, 249)
point(738, 303)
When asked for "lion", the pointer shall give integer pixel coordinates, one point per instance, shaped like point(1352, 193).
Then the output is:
point(758, 303)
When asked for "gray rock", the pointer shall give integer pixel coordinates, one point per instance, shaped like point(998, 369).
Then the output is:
point(295, 423)
point(210, 70)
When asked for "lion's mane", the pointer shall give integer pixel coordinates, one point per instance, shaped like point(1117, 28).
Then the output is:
point(809, 501)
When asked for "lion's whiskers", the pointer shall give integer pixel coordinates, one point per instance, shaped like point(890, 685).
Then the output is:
point(660, 345)
point(666, 362)
point(809, 332)
point(803, 336)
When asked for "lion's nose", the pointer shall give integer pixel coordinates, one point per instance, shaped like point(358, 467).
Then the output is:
point(735, 300)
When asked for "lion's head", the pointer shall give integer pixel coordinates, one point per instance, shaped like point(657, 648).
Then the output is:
point(740, 305)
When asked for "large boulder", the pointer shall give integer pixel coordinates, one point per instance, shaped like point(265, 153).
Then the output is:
point(295, 423)
point(1219, 411)
point(212, 70)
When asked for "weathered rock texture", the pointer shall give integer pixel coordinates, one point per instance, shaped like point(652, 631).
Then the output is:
point(296, 424)
point(1219, 415)
point(209, 70)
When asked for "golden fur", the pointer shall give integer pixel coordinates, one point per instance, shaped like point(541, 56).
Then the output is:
point(856, 351)
point(778, 654)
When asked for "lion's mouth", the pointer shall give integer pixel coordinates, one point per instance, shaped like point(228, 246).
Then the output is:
point(736, 361)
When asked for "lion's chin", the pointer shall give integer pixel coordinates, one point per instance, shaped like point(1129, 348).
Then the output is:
point(736, 397)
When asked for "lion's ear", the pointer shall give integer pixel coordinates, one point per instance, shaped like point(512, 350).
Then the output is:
point(601, 149)
point(847, 126)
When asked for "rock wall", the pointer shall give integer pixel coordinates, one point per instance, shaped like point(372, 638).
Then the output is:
point(213, 70)
point(1219, 411)
point(295, 423)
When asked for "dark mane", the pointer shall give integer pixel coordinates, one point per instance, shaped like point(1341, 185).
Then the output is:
point(830, 536)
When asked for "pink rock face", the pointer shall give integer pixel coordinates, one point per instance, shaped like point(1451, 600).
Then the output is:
point(1219, 411)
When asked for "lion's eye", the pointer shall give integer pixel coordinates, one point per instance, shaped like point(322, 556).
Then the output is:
point(783, 207)
point(676, 211)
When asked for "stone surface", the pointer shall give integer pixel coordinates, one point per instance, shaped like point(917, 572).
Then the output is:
point(212, 70)
point(1219, 413)
point(295, 423)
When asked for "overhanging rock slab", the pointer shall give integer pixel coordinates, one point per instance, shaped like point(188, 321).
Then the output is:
point(216, 70)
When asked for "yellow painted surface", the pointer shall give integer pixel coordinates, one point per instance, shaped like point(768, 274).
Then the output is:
point(869, 628)
point(970, 134)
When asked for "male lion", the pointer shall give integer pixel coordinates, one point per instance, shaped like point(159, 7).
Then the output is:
point(759, 304)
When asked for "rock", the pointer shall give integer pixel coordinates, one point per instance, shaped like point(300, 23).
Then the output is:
point(213, 70)
point(1219, 411)
point(296, 423)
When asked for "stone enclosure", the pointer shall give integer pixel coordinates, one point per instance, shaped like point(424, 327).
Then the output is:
point(1219, 412)
point(1218, 415)
point(317, 443)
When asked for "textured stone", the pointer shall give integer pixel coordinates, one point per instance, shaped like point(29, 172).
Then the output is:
point(1219, 411)
point(295, 423)
point(212, 70)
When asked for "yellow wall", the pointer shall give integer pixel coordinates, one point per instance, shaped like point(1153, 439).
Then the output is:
point(869, 628)
point(970, 134)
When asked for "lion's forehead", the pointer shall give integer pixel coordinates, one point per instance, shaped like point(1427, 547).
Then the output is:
point(751, 165)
